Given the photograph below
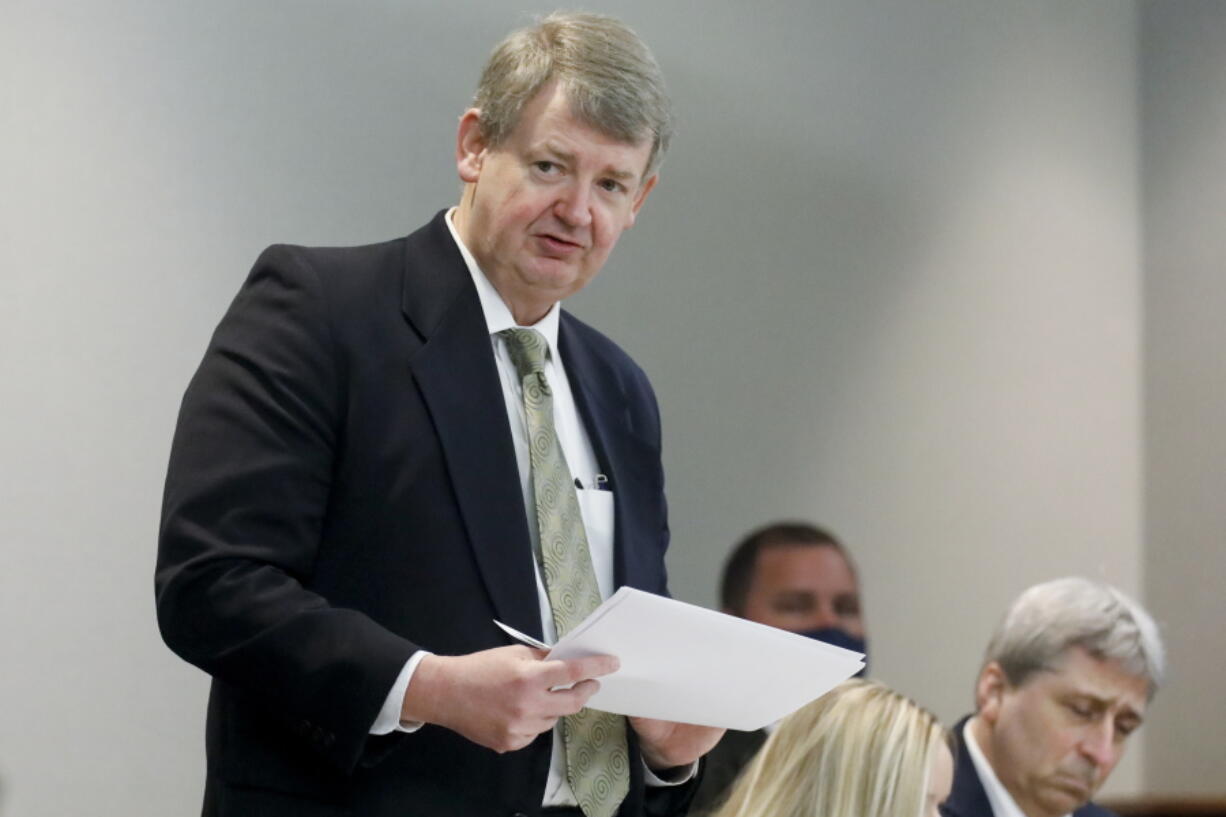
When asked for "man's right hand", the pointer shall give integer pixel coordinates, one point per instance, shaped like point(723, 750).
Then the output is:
point(501, 698)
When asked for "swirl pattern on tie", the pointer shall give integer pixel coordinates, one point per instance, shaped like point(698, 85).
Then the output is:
point(597, 763)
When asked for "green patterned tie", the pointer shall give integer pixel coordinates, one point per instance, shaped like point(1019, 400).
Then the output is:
point(597, 765)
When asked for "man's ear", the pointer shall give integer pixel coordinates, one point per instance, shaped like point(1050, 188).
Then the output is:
point(470, 147)
point(990, 692)
point(641, 196)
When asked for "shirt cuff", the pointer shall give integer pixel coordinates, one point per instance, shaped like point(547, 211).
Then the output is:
point(388, 720)
point(675, 776)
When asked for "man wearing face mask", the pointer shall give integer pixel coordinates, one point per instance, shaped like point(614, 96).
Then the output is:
point(797, 577)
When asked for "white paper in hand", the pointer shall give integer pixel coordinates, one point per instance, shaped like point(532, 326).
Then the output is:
point(684, 663)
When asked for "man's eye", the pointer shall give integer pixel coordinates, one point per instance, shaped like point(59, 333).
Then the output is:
point(611, 185)
point(545, 166)
point(847, 607)
point(1081, 710)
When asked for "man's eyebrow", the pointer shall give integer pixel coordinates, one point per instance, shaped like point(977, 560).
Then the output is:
point(1105, 703)
point(569, 157)
point(554, 150)
point(620, 175)
point(1097, 700)
point(791, 593)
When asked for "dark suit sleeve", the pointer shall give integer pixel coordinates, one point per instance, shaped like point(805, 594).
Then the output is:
point(243, 515)
point(659, 801)
point(663, 534)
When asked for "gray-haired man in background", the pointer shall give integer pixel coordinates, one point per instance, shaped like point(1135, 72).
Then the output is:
point(1065, 681)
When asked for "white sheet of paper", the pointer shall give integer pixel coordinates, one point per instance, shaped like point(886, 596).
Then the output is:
point(681, 662)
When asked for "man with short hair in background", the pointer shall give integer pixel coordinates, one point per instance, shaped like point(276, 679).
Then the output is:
point(797, 577)
point(1065, 681)
point(389, 448)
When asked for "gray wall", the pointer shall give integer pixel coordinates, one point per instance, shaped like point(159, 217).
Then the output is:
point(890, 281)
point(1184, 149)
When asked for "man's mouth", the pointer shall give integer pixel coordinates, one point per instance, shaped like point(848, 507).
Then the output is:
point(1081, 786)
point(558, 245)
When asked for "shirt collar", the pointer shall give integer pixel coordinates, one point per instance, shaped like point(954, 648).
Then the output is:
point(1003, 804)
point(497, 314)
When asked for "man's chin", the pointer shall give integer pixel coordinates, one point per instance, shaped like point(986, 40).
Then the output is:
point(1066, 794)
point(559, 278)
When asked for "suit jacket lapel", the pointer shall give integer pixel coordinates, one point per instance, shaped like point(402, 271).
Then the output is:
point(967, 798)
point(458, 379)
point(624, 458)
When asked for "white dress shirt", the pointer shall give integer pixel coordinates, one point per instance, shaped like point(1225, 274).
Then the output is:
point(595, 506)
point(1003, 804)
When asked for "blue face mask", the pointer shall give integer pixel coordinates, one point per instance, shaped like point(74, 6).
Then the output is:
point(841, 638)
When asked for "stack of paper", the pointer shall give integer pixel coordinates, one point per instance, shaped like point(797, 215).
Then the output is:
point(684, 663)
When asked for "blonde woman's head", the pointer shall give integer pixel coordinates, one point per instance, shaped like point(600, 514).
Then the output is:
point(860, 750)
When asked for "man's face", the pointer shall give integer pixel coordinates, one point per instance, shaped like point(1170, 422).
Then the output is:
point(542, 211)
point(802, 588)
point(1054, 739)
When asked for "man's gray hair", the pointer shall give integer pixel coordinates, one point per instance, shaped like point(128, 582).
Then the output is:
point(608, 74)
point(1049, 618)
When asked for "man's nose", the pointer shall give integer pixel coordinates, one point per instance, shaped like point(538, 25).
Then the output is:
point(574, 205)
point(1098, 745)
point(825, 616)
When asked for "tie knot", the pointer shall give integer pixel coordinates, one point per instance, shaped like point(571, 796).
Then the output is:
point(527, 348)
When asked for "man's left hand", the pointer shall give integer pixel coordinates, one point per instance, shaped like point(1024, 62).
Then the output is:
point(666, 745)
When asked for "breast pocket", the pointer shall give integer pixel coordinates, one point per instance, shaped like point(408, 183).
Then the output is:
point(596, 508)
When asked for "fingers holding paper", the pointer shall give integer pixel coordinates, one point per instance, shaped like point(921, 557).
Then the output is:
point(502, 698)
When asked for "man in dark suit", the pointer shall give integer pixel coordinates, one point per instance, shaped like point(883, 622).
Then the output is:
point(351, 500)
point(797, 577)
point(1066, 679)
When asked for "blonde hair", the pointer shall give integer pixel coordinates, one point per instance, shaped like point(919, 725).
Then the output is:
point(861, 750)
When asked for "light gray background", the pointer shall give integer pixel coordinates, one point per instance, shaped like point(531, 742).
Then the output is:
point(943, 276)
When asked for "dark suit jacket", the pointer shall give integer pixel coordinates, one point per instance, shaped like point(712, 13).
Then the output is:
point(967, 798)
point(343, 491)
point(723, 765)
